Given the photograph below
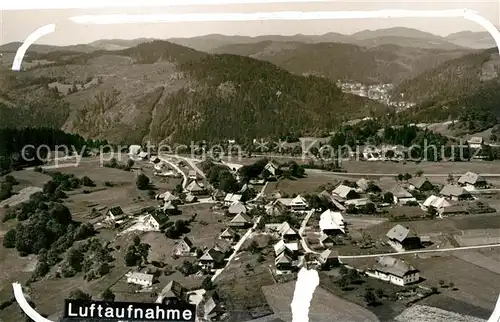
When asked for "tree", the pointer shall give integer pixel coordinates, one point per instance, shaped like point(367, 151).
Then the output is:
point(370, 297)
point(451, 285)
point(419, 173)
point(130, 163)
point(79, 295)
point(87, 182)
point(493, 137)
point(380, 293)
point(207, 283)
point(142, 182)
point(406, 176)
point(388, 197)
point(342, 282)
point(450, 179)
point(9, 239)
point(441, 283)
point(108, 296)
point(343, 270)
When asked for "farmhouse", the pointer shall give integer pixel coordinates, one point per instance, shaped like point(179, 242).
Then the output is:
point(143, 155)
point(170, 208)
point(223, 246)
point(455, 193)
point(142, 279)
point(155, 221)
point(115, 213)
point(271, 168)
point(435, 202)
point(228, 235)
point(394, 270)
point(212, 259)
point(332, 223)
point(402, 240)
point(472, 181)
point(420, 184)
point(237, 208)
point(195, 188)
point(173, 293)
point(218, 195)
point(232, 198)
point(290, 248)
point(192, 175)
point(284, 262)
point(287, 233)
point(183, 247)
point(297, 204)
point(345, 192)
point(191, 198)
point(401, 195)
point(476, 142)
point(241, 220)
point(168, 196)
point(328, 258)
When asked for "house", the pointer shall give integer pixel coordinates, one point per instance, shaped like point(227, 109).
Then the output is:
point(218, 195)
point(170, 208)
point(394, 270)
point(212, 259)
point(190, 198)
point(346, 192)
point(289, 248)
point(193, 175)
point(195, 188)
point(472, 181)
point(142, 279)
point(169, 197)
point(296, 204)
point(357, 202)
point(401, 195)
point(326, 241)
point(402, 240)
point(212, 306)
point(287, 233)
point(115, 213)
point(223, 246)
point(155, 220)
point(237, 208)
point(231, 198)
point(284, 262)
point(453, 210)
point(173, 293)
point(455, 193)
point(420, 184)
point(328, 258)
point(271, 168)
point(143, 155)
point(228, 235)
point(134, 150)
point(332, 223)
point(476, 142)
point(435, 202)
point(425, 240)
point(241, 220)
point(183, 247)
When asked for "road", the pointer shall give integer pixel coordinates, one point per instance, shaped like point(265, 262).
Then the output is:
point(421, 251)
point(176, 168)
point(301, 233)
point(388, 174)
point(237, 248)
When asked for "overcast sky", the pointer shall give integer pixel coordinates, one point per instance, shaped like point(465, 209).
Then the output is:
point(17, 25)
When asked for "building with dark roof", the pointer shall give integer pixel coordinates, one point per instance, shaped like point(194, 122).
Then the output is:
point(401, 239)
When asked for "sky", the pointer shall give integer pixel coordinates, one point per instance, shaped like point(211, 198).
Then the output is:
point(17, 25)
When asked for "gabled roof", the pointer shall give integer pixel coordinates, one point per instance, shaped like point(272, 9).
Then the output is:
point(343, 190)
point(476, 140)
point(173, 289)
point(418, 182)
point(142, 276)
point(218, 193)
point(190, 197)
point(393, 266)
point(232, 197)
point(168, 196)
point(398, 233)
point(286, 230)
point(283, 258)
point(169, 206)
point(331, 220)
point(187, 241)
point(194, 186)
point(192, 173)
point(237, 208)
point(116, 211)
point(328, 254)
point(241, 218)
point(436, 202)
point(298, 201)
point(160, 218)
point(213, 255)
point(228, 233)
point(400, 192)
point(222, 245)
point(471, 178)
point(453, 191)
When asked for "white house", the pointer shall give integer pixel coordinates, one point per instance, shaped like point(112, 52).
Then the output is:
point(241, 220)
point(472, 181)
point(455, 193)
point(142, 279)
point(401, 195)
point(435, 202)
point(272, 168)
point(297, 204)
point(345, 192)
point(394, 270)
point(134, 150)
point(143, 155)
point(192, 175)
point(476, 142)
point(332, 223)
point(183, 247)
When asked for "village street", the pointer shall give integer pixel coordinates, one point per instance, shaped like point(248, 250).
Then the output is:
point(301, 233)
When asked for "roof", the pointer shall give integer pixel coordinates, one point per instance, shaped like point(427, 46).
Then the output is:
point(237, 208)
point(241, 218)
point(142, 154)
point(326, 254)
point(194, 186)
point(218, 193)
point(161, 218)
point(213, 255)
point(398, 233)
point(393, 266)
point(331, 220)
point(222, 245)
point(418, 182)
point(232, 197)
point(116, 211)
point(169, 206)
point(281, 247)
point(187, 241)
point(400, 192)
point(283, 258)
point(192, 173)
point(285, 229)
point(227, 233)
point(452, 190)
point(190, 197)
point(168, 196)
point(343, 190)
point(142, 276)
point(476, 140)
point(173, 289)
point(471, 178)
point(436, 202)
point(298, 201)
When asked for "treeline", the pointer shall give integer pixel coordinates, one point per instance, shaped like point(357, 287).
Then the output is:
point(20, 147)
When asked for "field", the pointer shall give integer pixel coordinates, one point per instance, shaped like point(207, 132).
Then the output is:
point(423, 313)
point(325, 307)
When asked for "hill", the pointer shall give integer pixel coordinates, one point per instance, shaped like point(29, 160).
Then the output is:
point(382, 64)
point(44, 49)
point(470, 39)
point(162, 91)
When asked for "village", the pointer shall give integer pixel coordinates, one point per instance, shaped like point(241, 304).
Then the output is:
point(367, 237)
